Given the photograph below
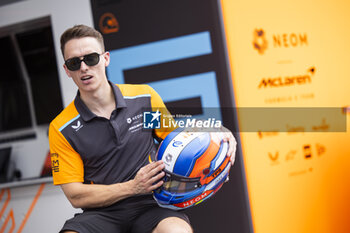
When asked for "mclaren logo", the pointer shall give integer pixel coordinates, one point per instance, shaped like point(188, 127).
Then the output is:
point(259, 41)
point(108, 23)
point(287, 80)
point(274, 157)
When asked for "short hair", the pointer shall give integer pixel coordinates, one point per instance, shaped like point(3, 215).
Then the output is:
point(80, 31)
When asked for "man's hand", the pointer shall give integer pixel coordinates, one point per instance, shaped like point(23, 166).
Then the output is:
point(97, 195)
point(148, 178)
point(228, 137)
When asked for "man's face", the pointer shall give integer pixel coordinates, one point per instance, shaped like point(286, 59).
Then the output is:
point(87, 78)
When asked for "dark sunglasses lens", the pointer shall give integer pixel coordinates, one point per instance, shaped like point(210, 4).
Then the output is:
point(92, 59)
point(73, 63)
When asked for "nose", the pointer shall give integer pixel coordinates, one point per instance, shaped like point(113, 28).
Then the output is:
point(83, 66)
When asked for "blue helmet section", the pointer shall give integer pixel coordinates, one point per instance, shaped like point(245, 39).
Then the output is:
point(166, 142)
point(190, 154)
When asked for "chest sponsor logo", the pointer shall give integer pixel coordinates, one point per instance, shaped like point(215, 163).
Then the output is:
point(132, 119)
point(135, 122)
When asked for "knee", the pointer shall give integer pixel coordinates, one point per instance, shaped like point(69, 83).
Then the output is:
point(174, 229)
point(180, 229)
point(173, 225)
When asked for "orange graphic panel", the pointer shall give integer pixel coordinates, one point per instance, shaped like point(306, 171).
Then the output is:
point(293, 56)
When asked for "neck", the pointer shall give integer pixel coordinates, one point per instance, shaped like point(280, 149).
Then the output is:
point(101, 101)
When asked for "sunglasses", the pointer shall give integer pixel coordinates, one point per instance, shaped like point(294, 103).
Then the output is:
point(74, 63)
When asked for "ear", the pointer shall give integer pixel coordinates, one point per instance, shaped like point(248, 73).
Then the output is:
point(67, 71)
point(106, 56)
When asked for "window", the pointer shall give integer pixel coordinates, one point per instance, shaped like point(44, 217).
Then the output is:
point(29, 85)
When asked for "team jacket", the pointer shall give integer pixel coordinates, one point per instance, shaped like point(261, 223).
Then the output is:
point(91, 149)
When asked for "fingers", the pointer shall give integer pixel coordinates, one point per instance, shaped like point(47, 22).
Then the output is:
point(149, 177)
point(153, 165)
point(156, 182)
point(233, 144)
point(151, 170)
point(228, 137)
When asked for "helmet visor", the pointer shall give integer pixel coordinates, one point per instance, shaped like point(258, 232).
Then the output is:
point(179, 184)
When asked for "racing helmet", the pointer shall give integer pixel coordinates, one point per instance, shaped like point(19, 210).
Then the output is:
point(196, 167)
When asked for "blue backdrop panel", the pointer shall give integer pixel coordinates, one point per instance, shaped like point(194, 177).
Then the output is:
point(157, 52)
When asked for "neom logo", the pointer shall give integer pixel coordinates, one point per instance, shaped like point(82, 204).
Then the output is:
point(194, 200)
point(259, 41)
point(280, 40)
point(289, 40)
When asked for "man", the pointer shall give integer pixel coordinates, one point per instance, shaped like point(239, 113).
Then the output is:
point(100, 155)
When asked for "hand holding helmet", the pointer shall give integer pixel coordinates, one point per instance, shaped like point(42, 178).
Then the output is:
point(148, 178)
point(227, 136)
